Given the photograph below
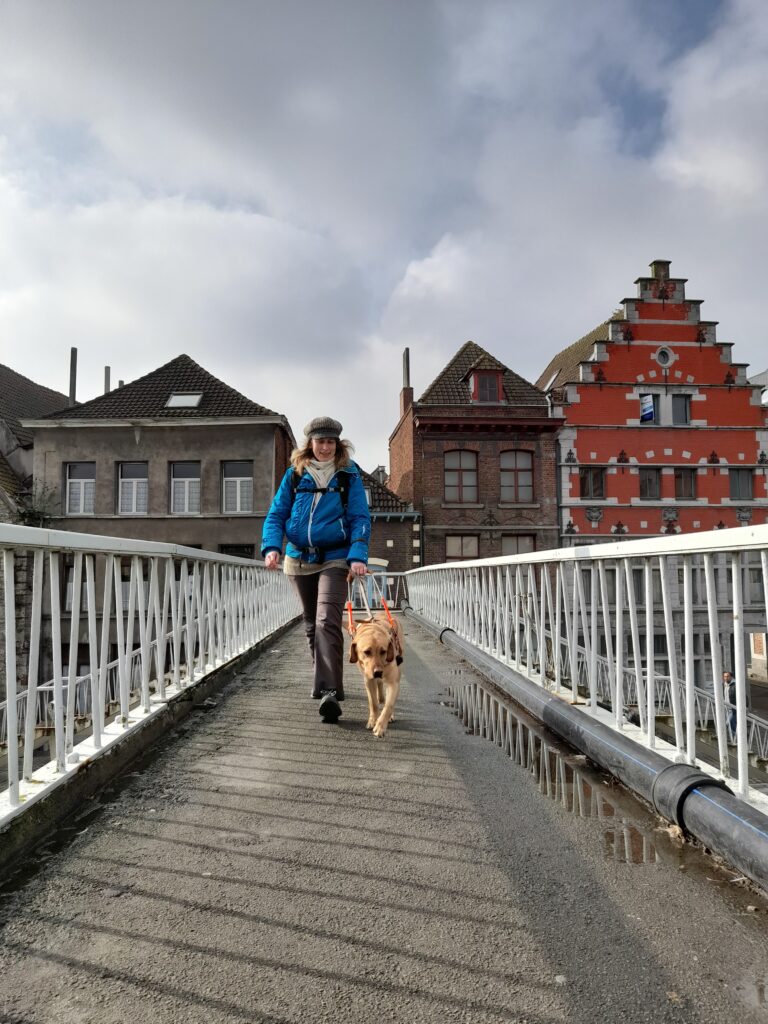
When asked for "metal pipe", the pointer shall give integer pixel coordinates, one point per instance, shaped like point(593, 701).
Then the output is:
point(697, 802)
point(73, 376)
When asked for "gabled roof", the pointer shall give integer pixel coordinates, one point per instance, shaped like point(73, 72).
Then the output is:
point(21, 399)
point(9, 482)
point(382, 499)
point(760, 379)
point(564, 368)
point(146, 397)
point(450, 388)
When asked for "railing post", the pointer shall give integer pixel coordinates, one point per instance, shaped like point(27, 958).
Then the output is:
point(11, 715)
point(740, 672)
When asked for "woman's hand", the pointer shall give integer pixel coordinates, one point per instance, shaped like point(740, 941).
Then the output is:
point(272, 560)
point(358, 568)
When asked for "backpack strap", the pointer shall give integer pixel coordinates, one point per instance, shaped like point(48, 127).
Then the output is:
point(342, 489)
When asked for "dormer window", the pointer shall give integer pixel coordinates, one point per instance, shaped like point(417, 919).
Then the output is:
point(486, 386)
point(184, 400)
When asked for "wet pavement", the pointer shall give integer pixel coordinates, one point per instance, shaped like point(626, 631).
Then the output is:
point(264, 866)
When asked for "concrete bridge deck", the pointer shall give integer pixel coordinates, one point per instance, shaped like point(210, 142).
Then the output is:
point(267, 867)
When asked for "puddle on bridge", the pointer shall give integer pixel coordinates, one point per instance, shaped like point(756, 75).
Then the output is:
point(630, 832)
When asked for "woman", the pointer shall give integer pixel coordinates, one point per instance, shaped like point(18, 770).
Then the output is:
point(321, 508)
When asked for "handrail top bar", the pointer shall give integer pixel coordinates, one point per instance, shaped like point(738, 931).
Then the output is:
point(740, 538)
point(31, 537)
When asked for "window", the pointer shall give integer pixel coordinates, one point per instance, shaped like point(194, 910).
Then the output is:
point(663, 357)
point(460, 476)
point(685, 483)
point(681, 409)
point(592, 482)
point(184, 400)
point(460, 546)
point(132, 489)
point(650, 484)
point(237, 487)
point(517, 543)
point(81, 488)
point(238, 550)
point(516, 476)
point(741, 484)
point(649, 408)
point(487, 387)
point(185, 488)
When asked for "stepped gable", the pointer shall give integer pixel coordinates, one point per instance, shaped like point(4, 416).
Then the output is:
point(450, 388)
point(382, 499)
point(147, 397)
point(564, 368)
point(21, 398)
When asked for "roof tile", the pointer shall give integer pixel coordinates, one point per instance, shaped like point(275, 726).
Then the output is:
point(147, 397)
point(450, 388)
point(21, 398)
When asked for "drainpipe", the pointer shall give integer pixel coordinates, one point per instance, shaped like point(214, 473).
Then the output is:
point(702, 806)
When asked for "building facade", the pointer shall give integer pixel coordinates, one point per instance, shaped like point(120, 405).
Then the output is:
point(661, 431)
point(475, 454)
point(395, 527)
point(175, 456)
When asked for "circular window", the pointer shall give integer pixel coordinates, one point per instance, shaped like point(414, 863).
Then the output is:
point(663, 357)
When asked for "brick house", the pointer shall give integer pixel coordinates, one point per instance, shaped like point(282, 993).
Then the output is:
point(175, 456)
point(662, 432)
point(475, 454)
point(395, 527)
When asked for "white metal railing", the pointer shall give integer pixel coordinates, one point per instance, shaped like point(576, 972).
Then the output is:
point(179, 614)
point(393, 586)
point(608, 605)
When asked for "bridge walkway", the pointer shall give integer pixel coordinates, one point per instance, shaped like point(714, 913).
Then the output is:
point(266, 867)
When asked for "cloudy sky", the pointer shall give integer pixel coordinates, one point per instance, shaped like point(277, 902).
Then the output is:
point(292, 191)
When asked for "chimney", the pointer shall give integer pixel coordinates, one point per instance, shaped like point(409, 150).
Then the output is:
point(406, 395)
point(107, 370)
point(120, 383)
point(72, 376)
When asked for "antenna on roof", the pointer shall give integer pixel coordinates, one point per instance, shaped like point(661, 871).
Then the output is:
point(72, 376)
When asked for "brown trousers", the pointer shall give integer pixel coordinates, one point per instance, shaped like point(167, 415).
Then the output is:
point(322, 596)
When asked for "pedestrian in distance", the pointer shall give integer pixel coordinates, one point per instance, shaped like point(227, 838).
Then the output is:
point(729, 692)
point(321, 508)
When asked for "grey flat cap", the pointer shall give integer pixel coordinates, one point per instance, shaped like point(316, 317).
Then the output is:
point(322, 426)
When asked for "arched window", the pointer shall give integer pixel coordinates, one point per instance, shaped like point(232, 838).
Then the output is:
point(516, 476)
point(460, 476)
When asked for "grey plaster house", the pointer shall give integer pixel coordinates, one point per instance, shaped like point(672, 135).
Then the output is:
point(175, 456)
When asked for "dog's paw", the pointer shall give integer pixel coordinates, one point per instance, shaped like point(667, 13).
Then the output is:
point(370, 723)
point(380, 730)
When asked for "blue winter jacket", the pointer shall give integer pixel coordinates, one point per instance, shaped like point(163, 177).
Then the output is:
point(326, 532)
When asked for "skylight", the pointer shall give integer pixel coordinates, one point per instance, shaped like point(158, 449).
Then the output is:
point(184, 400)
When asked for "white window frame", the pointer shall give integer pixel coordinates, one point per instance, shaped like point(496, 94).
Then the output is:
point(244, 492)
point(86, 495)
point(129, 486)
point(181, 485)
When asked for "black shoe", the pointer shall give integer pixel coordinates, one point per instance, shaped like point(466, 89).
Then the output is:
point(329, 709)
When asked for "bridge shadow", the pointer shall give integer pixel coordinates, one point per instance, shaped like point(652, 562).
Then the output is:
point(282, 871)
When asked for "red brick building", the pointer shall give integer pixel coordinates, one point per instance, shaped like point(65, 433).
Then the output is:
point(476, 456)
point(395, 527)
point(662, 432)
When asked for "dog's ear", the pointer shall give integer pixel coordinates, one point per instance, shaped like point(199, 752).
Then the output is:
point(353, 652)
point(391, 652)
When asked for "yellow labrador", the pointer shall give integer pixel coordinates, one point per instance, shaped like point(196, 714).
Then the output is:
point(377, 648)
